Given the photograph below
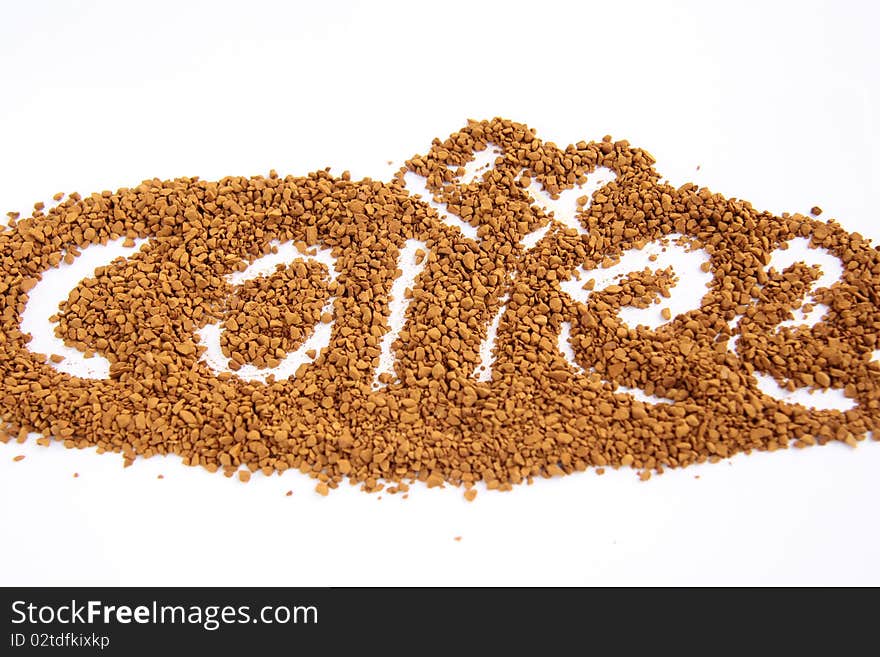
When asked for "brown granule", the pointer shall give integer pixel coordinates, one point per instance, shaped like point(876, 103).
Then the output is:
point(18, 458)
point(470, 494)
point(266, 317)
point(434, 417)
point(815, 211)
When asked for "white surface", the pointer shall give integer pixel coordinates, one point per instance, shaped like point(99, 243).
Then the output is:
point(52, 289)
point(398, 304)
point(565, 207)
point(830, 271)
point(774, 101)
point(689, 285)
point(318, 335)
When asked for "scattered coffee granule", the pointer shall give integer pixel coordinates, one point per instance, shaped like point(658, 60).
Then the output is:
point(470, 494)
point(244, 476)
point(265, 318)
point(289, 493)
point(76, 475)
point(458, 539)
point(20, 457)
point(438, 414)
point(815, 211)
point(160, 476)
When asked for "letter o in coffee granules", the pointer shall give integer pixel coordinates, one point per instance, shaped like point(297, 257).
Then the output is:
point(517, 318)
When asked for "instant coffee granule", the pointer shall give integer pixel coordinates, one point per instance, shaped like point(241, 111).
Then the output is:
point(435, 416)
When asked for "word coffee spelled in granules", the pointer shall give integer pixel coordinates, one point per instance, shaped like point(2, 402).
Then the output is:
point(490, 328)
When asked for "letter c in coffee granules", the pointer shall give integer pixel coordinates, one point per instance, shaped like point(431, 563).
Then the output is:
point(518, 317)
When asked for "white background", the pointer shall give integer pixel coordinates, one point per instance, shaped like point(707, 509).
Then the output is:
point(775, 103)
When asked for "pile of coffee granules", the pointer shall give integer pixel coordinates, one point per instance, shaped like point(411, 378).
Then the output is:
point(436, 421)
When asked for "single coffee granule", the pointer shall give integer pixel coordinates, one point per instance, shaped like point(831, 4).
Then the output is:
point(18, 458)
point(383, 321)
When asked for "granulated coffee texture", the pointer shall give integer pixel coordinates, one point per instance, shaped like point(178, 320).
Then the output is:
point(434, 417)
